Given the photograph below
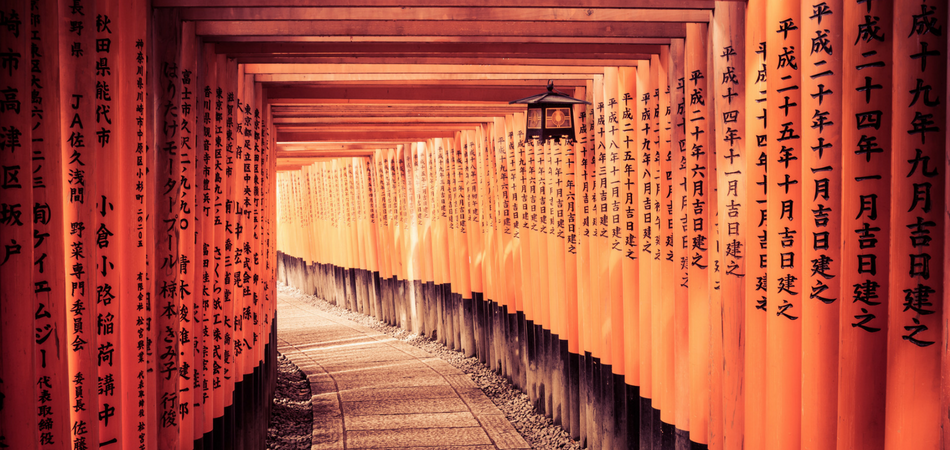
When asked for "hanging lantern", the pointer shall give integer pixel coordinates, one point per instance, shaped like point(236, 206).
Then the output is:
point(549, 115)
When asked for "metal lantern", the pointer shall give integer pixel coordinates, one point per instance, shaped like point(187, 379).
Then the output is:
point(549, 115)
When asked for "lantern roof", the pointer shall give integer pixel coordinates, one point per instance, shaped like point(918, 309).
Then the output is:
point(550, 97)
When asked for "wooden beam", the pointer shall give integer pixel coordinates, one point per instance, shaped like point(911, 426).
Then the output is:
point(433, 83)
point(436, 60)
point(639, 4)
point(382, 120)
point(357, 129)
point(439, 39)
point(442, 69)
point(422, 112)
point(335, 136)
point(537, 83)
point(433, 48)
point(479, 13)
point(403, 77)
point(438, 28)
point(289, 149)
point(434, 94)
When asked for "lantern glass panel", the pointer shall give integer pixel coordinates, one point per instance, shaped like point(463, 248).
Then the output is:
point(534, 118)
point(557, 117)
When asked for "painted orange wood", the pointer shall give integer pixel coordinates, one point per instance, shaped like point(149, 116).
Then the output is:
point(48, 320)
point(646, 220)
point(699, 226)
point(597, 270)
point(756, 283)
point(729, 56)
point(663, 323)
point(17, 354)
point(865, 226)
point(680, 237)
point(821, 214)
point(585, 141)
point(785, 265)
point(613, 166)
point(918, 139)
point(205, 218)
point(630, 180)
point(185, 212)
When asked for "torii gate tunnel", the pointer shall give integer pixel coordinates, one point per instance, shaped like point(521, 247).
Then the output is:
point(744, 248)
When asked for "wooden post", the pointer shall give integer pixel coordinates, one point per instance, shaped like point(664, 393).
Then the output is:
point(756, 284)
point(630, 204)
point(204, 217)
point(48, 314)
point(731, 143)
point(663, 368)
point(646, 241)
point(918, 139)
point(613, 230)
point(865, 175)
point(784, 272)
point(680, 245)
point(17, 354)
point(185, 211)
point(167, 85)
point(821, 217)
point(698, 223)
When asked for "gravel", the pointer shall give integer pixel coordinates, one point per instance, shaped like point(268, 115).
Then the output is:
point(291, 422)
point(539, 431)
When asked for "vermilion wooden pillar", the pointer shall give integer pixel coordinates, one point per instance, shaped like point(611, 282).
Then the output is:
point(698, 152)
point(680, 416)
point(600, 293)
point(136, 48)
point(756, 281)
point(866, 134)
point(576, 256)
point(204, 220)
point(185, 210)
point(662, 351)
point(785, 265)
point(656, 288)
point(49, 307)
point(78, 108)
point(222, 151)
point(373, 266)
point(166, 165)
point(629, 176)
point(664, 370)
point(17, 339)
point(645, 217)
point(731, 143)
point(945, 355)
point(231, 291)
point(821, 219)
point(917, 192)
point(586, 293)
point(613, 230)
point(106, 222)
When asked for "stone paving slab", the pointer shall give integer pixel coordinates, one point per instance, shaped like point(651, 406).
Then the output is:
point(457, 447)
point(397, 421)
point(417, 437)
point(371, 391)
point(502, 432)
point(405, 406)
point(366, 394)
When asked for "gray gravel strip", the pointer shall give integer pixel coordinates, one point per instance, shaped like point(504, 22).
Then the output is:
point(539, 431)
point(290, 426)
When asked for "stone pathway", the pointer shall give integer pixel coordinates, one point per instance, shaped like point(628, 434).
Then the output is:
point(372, 391)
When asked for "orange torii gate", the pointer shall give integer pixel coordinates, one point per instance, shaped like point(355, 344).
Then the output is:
point(653, 282)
